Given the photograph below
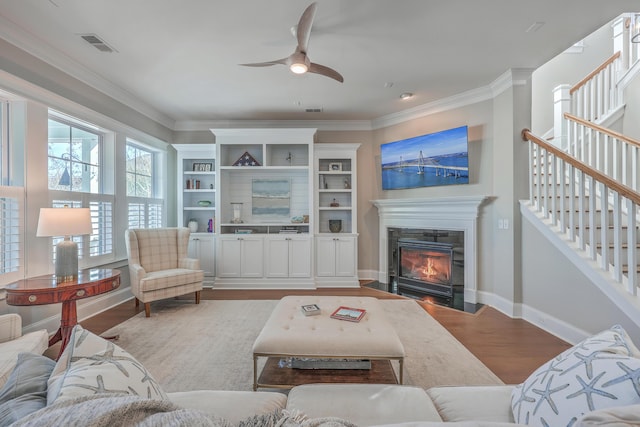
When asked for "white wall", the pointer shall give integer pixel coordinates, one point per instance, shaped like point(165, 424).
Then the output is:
point(566, 68)
point(630, 122)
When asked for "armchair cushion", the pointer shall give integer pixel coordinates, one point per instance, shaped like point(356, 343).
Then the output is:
point(168, 278)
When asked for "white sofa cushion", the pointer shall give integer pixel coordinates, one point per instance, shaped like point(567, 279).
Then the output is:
point(612, 417)
point(600, 372)
point(473, 403)
point(363, 404)
point(233, 406)
point(92, 365)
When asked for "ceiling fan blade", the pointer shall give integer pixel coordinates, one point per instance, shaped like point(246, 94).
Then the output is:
point(303, 30)
point(325, 71)
point(268, 63)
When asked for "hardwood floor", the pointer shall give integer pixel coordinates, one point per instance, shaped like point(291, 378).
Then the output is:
point(511, 348)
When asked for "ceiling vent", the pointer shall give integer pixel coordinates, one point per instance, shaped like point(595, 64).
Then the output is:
point(313, 110)
point(97, 42)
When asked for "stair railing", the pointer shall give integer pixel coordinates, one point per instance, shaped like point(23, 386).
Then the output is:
point(562, 189)
point(610, 152)
point(596, 95)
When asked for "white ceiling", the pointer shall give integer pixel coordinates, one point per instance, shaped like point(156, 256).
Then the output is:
point(179, 59)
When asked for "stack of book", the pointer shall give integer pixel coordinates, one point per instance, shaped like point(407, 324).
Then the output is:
point(288, 230)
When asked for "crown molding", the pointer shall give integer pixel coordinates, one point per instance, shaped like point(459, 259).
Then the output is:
point(510, 78)
point(456, 101)
point(13, 34)
point(326, 125)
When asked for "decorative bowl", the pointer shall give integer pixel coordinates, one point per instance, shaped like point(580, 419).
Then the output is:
point(297, 220)
point(204, 203)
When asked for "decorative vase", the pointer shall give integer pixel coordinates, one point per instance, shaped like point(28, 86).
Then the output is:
point(237, 213)
point(193, 225)
point(335, 225)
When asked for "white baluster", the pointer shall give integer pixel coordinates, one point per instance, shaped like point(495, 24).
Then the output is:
point(632, 275)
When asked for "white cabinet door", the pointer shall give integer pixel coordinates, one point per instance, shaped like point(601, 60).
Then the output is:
point(299, 257)
point(251, 257)
point(229, 249)
point(277, 257)
point(288, 256)
point(240, 256)
point(335, 256)
point(345, 256)
point(202, 247)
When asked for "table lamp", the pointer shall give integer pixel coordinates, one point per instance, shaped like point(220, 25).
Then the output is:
point(65, 222)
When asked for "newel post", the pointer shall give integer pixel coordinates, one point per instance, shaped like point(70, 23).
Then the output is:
point(561, 105)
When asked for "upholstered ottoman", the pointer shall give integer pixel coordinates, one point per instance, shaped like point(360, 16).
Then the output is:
point(289, 333)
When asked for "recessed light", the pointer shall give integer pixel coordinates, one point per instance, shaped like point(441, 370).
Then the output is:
point(406, 95)
point(388, 84)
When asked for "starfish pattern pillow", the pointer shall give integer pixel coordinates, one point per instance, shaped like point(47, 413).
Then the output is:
point(92, 365)
point(602, 371)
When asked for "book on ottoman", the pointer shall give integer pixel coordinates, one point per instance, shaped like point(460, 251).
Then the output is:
point(310, 309)
point(348, 313)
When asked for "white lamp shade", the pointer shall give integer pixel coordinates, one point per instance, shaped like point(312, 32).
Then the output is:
point(64, 222)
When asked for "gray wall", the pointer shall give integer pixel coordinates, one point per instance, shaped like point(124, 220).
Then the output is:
point(555, 286)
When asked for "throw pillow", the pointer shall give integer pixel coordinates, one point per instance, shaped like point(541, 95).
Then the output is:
point(600, 372)
point(26, 388)
point(92, 365)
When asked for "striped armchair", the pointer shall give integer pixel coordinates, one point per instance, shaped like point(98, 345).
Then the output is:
point(159, 267)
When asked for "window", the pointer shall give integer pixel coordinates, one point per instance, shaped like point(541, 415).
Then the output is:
point(75, 173)
point(74, 158)
point(139, 171)
point(11, 209)
point(143, 199)
point(11, 232)
point(4, 142)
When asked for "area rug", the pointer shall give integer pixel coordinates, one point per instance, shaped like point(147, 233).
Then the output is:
point(208, 346)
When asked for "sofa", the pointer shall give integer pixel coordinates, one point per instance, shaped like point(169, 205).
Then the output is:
point(97, 383)
point(13, 342)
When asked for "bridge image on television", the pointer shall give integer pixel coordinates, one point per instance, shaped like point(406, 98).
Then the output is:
point(440, 158)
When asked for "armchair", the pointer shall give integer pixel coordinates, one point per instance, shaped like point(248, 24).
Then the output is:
point(159, 267)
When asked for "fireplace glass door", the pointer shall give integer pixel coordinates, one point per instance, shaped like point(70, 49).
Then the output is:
point(425, 267)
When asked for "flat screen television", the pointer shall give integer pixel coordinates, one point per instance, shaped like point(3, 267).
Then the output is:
point(440, 158)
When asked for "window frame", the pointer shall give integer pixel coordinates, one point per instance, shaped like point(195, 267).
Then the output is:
point(105, 223)
point(153, 206)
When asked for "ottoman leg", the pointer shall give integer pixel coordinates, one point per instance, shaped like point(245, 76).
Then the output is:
point(255, 372)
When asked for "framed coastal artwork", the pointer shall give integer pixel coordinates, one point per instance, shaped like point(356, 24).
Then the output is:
point(271, 199)
point(440, 158)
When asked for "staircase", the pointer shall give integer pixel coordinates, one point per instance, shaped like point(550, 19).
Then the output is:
point(584, 185)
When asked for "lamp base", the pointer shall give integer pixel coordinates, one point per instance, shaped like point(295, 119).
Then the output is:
point(66, 261)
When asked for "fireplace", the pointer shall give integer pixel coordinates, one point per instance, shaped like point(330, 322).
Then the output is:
point(425, 268)
point(428, 219)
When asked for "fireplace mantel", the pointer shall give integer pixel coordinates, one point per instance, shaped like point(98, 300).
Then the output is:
point(444, 213)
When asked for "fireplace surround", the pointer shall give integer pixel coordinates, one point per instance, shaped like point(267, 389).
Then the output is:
point(446, 214)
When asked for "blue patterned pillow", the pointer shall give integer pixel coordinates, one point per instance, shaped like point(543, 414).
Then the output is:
point(602, 371)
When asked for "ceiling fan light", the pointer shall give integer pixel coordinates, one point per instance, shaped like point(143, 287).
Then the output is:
point(298, 68)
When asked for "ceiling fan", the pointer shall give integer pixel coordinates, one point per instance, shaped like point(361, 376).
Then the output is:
point(298, 62)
